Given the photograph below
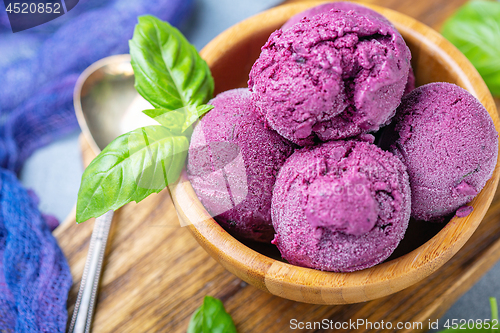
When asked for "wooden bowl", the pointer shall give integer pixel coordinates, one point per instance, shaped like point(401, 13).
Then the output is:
point(230, 57)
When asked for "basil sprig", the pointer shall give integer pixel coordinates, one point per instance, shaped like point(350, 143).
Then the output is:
point(171, 75)
point(211, 317)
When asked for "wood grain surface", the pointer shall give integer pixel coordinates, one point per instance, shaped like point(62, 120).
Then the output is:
point(156, 274)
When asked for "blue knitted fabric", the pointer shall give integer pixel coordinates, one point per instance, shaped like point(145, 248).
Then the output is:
point(36, 276)
point(39, 68)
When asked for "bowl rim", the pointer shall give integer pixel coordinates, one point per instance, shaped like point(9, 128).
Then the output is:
point(319, 287)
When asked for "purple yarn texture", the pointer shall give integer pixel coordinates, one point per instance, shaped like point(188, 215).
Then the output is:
point(39, 69)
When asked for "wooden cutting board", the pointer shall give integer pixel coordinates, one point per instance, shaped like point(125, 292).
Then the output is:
point(156, 275)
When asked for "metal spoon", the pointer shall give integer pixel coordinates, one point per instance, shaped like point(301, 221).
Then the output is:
point(106, 105)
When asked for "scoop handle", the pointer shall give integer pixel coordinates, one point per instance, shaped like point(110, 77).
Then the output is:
point(87, 295)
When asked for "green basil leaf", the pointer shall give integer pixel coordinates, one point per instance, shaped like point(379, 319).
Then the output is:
point(172, 120)
point(211, 317)
point(133, 166)
point(169, 72)
point(494, 308)
point(475, 30)
point(178, 121)
point(196, 114)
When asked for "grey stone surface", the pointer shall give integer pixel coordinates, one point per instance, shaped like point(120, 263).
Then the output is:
point(54, 173)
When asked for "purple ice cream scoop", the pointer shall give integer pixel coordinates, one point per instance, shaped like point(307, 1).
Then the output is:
point(232, 165)
point(330, 76)
point(340, 206)
point(326, 7)
point(448, 142)
point(346, 6)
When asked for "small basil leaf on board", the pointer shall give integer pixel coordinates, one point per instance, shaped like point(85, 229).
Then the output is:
point(133, 166)
point(475, 30)
point(169, 72)
point(211, 317)
point(494, 310)
point(178, 121)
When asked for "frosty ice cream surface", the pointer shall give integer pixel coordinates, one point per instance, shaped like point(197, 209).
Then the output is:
point(233, 162)
point(448, 142)
point(330, 77)
point(340, 206)
point(326, 7)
